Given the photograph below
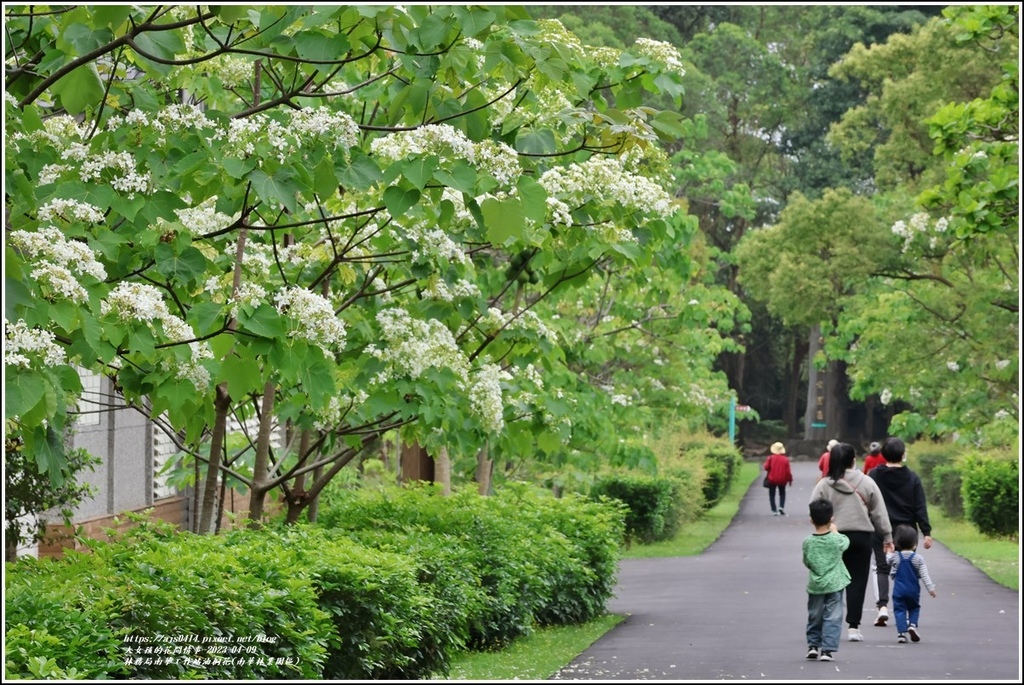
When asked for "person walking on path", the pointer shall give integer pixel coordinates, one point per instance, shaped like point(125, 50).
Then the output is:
point(908, 572)
point(823, 459)
point(859, 512)
point(906, 504)
point(827, 578)
point(874, 457)
point(779, 476)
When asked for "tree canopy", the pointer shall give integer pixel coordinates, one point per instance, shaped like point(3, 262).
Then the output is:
point(345, 221)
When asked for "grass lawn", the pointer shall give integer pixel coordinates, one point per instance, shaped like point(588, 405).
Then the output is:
point(998, 558)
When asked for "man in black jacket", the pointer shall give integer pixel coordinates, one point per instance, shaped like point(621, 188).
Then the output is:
point(904, 500)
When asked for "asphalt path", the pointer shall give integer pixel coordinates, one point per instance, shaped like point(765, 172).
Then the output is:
point(738, 612)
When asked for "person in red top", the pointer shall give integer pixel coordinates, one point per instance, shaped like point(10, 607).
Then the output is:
point(779, 476)
point(874, 457)
point(823, 459)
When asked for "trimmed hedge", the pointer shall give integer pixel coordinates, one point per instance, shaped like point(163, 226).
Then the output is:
point(533, 559)
point(406, 578)
point(650, 502)
point(991, 491)
point(124, 610)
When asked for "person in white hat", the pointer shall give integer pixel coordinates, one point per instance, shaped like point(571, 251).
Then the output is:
point(823, 459)
point(778, 477)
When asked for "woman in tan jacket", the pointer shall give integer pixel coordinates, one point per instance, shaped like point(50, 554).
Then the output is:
point(859, 511)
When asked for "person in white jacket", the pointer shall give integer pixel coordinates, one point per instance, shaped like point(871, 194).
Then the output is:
point(859, 512)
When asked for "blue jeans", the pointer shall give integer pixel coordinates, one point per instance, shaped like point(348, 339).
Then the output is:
point(825, 620)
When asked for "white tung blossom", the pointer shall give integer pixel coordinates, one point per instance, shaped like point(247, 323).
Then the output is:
point(24, 344)
point(143, 302)
point(58, 262)
point(204, 218)
point(601, 179)
point(450, 145)
point(663, 53)
point(312, 317)
point(486, 398)
point(70, 210)
point(886, 396)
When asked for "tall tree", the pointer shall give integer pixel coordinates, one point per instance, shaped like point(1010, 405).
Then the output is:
point(312, 216)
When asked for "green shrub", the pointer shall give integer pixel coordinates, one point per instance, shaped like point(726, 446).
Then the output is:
point(720, 461)
point(924, 458)
point(946, 488)
point(582, 575)
point(689, 498)
point(648, 500)
point(54, 616)
point(524, 557)
point(123, 610)
point(386, 625)
point(490, 546)
point(991, 494)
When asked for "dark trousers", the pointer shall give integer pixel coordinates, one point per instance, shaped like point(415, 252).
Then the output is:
point(857, 559)
point(782, 495)
point(881, 570)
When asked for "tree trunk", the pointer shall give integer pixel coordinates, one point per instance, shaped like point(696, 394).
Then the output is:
point(221, 405)
point(443, 471)
point(11, 548)
point(795, 369)
point(484, 471)
point(314, 502)
point(322, 478)
point(261, 467)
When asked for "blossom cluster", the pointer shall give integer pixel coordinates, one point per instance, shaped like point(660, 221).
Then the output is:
point(605, 179)
point(450, 145)
point(176, 118)
point(432, 244)
point(438, 289)
point(123, 175)
point(412, 346)
point(131, 302)
point(485, 396)
point(57, 132)
point(59, 261)
point(204, 217)
point(69, 211)
point(332, 415)
point(665, 54)
point(23, 345)
point(919, 225)
point(415, 345)
point(549, 107)
point(312, 317)
point(304, 127)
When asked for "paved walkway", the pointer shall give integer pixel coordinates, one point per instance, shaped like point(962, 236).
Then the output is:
point(738, 612)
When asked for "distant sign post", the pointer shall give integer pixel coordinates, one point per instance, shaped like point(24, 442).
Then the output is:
point(733, 408)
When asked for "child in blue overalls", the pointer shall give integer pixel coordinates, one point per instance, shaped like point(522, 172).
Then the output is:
point(907, 572)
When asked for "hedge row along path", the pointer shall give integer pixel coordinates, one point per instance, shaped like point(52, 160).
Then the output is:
point(738, 612)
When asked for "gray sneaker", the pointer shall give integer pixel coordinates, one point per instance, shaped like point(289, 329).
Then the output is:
point(826, 656)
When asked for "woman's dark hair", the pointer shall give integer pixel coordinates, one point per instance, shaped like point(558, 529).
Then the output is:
point(904, 538)
point(840, 458)
point(821, 511)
